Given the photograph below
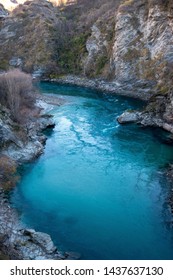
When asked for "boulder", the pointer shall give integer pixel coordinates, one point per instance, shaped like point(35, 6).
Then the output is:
point(42, 239)
point(129, 117)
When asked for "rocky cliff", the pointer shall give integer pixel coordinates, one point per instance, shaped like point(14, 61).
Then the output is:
point(130, 41)
point(143, 55)
point(26, 37)
point(141, 48)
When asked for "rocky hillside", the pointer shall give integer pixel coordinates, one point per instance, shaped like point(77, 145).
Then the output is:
point(141, 47)
point(127, 41)
point(122, 40)
point(26, 37)
point(41, 37)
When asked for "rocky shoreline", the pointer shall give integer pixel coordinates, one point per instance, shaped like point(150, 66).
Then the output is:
point(17, 241)
point(138, 90)
point(146, 119)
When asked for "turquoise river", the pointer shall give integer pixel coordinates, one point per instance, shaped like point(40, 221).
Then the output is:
point(99, 188)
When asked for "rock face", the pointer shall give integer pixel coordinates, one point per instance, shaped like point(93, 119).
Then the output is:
point(137, 55)
point(158, 113)
point(97, 48)
point(129, 117)
point(141, 48)
point(17, 242)
point(26, 144)
point(27, 37)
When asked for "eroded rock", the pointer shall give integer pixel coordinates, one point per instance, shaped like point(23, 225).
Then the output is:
point(129, 117)
point(18, 242)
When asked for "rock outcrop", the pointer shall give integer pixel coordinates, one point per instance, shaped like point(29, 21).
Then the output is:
point(18, 242)
point(139, 56)
point(27, 37)
point(141, 47)
point(158, 113)
point(22, 143)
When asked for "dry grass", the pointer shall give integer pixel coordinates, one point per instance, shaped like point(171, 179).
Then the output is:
point(8, 173)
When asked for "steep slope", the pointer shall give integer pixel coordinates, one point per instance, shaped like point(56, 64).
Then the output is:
point(126, 41)
point(142, 47)
point(27, 37)
point(39, 35)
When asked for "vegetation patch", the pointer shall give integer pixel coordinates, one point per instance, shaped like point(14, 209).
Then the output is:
point(8, 173)
point(100, 63)
point(131, 54)
point(16, 94)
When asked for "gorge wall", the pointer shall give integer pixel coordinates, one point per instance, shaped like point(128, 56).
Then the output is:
point(129, 42)
point(141, 49)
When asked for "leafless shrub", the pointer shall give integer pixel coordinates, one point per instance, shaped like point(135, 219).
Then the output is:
point(16, 93)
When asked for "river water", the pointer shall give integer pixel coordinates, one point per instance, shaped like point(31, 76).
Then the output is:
point(99, 187)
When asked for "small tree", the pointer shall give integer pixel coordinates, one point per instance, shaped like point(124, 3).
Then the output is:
point(16, 92)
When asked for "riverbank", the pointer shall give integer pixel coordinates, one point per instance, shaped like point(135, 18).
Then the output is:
point(19, 242)
point(138, 90)
point(16, 241)
point(152, 116)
